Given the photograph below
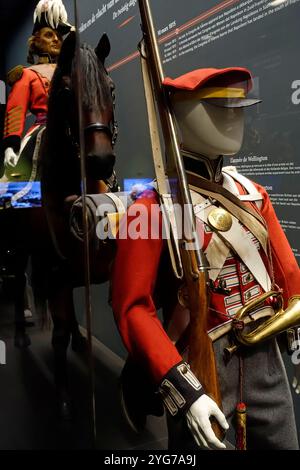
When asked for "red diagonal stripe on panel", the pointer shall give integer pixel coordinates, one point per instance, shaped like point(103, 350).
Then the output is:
point(125, 22)
point(198, 19)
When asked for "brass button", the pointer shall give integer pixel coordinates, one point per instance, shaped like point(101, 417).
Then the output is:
point(220, 219)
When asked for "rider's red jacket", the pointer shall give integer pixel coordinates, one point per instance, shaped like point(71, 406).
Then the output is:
point(29, 93)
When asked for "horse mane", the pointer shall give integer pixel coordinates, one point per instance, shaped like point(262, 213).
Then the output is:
point(93, 74)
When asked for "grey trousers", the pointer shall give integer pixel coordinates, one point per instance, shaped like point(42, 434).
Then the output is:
point(270, 415)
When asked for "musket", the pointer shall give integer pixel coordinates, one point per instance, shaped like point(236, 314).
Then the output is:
point(194, 263)
point(88, 305)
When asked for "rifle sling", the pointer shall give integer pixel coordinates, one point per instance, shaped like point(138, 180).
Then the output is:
point(159, 166)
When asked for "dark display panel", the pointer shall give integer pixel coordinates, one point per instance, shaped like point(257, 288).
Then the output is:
point(259, 34)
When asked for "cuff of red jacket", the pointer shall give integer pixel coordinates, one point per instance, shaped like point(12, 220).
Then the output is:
point(179, 389)
point(13, 141)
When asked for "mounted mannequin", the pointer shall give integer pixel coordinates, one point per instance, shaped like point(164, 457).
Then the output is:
point(208, 105)
point(29, 92)
point(30, 87)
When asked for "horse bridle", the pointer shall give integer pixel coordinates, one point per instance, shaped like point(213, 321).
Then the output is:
point(99, 127)
point(111, 129)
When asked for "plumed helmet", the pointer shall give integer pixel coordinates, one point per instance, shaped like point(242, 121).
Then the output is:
point(51, 13)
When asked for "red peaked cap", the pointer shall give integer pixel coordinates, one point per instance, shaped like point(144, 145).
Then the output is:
point(211, 77)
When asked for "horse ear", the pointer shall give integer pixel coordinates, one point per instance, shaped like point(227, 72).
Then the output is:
point(67, 51)
point(103, 48)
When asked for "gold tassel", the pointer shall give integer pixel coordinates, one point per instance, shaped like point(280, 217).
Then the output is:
point(241, 417)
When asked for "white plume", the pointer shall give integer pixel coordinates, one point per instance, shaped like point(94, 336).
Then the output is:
point(54, 12)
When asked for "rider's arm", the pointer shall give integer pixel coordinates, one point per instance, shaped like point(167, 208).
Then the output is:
point(16, 110)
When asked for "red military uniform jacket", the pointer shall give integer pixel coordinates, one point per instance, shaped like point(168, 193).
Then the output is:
point(135, 273)
point(30, 89)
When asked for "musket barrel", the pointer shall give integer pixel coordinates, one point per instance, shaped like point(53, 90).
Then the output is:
point(169, 130)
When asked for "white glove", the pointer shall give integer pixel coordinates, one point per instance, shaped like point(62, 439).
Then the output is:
point(200, 426)
point(10, 157)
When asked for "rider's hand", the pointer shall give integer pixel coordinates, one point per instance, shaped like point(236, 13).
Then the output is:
point(200, 426)
point(10, 157)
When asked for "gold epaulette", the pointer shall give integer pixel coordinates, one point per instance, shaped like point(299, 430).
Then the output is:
point(14, 75)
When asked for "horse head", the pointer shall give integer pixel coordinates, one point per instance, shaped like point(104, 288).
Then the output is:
point(97, 103)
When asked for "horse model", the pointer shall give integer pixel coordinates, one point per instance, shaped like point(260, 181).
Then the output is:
point(61, 180)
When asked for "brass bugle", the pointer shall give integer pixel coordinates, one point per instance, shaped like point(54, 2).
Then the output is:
point(278, 323)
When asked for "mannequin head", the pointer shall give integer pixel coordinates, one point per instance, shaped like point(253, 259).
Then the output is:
point(208, 106)
point(46, 41)
point(207, 129)
point(50, 24)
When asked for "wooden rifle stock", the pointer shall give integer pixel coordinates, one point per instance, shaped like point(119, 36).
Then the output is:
point(194, 263)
